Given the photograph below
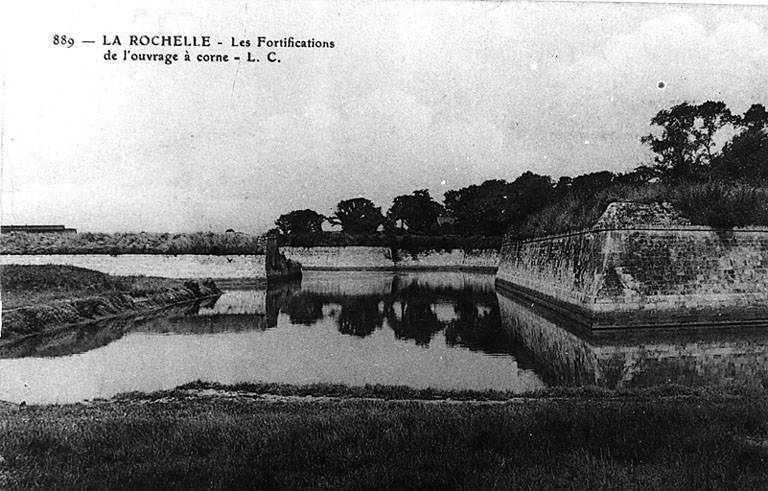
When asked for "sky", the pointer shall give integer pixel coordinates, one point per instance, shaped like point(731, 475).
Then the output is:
point(416, 94)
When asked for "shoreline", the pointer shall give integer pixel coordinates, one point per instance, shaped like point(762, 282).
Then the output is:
point(400, 393)
point(63, 297)
point(332, 392)
point(11, 340)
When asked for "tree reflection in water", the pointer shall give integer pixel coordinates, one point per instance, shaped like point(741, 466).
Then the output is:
point(413, 317)
point(477, 327)
point(304, 307)
point(414, 308)
point(468, 314)
point(360, 316)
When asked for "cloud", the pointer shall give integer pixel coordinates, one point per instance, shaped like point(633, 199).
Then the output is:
point(609, 96)
point(416, 95)
point(378, 146)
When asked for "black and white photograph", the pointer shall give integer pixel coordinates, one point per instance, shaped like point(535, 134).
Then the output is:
point(406, 244)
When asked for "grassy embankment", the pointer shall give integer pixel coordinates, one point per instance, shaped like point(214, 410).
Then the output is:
point(186, 439)
point(131, 243)
point(714, 204)
point(37, 298)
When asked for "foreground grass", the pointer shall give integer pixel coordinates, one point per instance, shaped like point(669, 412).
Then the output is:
point(172, 442)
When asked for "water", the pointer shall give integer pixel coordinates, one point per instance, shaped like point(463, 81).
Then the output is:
point(564, 354)
point(446, 330)
point(438, 330)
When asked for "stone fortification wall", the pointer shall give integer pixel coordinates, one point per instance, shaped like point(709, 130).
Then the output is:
point(644, 275)
point(352, 257)
point(386, 258)
point(271, 265)
point(345, 282)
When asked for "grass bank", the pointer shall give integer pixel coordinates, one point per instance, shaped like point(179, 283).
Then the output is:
point(131, 243)
point(37, 298)
point(584, 441)
point(401, 393)
point(718, 204)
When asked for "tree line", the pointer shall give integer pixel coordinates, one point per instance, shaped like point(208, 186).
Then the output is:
point(705, 157)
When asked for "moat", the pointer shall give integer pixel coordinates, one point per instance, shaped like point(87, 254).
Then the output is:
point(444, 330)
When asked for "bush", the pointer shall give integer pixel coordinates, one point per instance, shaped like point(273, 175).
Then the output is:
point(575, 212)
point(719, 204)
point(722, 204)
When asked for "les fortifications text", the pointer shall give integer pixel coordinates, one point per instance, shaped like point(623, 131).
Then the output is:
point(180, 48)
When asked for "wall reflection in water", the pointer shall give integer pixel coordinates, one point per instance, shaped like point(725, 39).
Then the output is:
point(416, 307)
point(432, 313)
point(236, 310)
point(566, 354)
point(439, 330)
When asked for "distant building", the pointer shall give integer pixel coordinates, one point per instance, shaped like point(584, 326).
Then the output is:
point(37, 229)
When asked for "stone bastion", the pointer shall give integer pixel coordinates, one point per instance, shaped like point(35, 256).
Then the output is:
point(643, 266)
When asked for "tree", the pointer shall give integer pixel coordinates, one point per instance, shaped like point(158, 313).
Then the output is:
point(588, 185)
point(746, 155)
point(639, 176)
point(416, 212)
point(563, 186)
point(494, 206)
point(300, 222)
point(479, 209)
point(531, 193)
point(687, 143)
point(754, 119)
point(358, 216)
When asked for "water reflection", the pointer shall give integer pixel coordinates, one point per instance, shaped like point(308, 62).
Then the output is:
point(415, 307)
point(565, 354)
point(438, 330)
point(359, 316)
point(477, 327)
point(304, 308)
point(236, 310)
point(441, 330)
